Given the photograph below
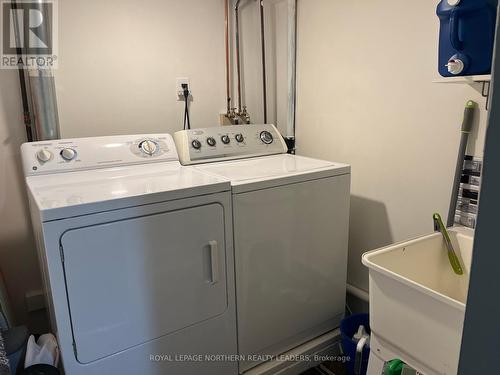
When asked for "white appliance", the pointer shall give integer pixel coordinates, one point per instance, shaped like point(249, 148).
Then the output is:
point(136, 254)
point(290, 222)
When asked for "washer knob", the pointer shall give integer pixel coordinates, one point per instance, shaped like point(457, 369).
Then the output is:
point(225, 139)
point(44, 155)
point(148, 147)
point(211, 141)
point(239, 138)
point(196, 144)
point(266, 137)
point(68, 154)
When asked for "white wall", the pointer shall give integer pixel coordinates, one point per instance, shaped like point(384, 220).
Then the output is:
point(366, 97)
point(119, 61)
point(18, 260)
point(119, 75)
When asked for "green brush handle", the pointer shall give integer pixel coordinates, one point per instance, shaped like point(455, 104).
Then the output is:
point(455, 263)
point(470, 108)
point(452, 256)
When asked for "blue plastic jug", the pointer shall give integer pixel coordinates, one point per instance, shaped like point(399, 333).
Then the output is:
point(467, 32)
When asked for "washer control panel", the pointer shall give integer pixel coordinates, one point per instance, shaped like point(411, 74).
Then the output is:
point(219, 143)
point(97, 152)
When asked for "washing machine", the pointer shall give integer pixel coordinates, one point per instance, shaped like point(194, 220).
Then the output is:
point(136, 256)
point(290, 223)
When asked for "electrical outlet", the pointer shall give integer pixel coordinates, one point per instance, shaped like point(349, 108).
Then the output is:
point(179, 90)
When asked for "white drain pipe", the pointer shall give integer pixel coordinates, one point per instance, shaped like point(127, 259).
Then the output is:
point(359, 293)
point(44, 102)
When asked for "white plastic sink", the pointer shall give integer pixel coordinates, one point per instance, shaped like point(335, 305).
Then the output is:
point(417, 302)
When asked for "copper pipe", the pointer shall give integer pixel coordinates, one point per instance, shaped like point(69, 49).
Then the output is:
point(228, 77)
point(263, 46)
point(238, 65)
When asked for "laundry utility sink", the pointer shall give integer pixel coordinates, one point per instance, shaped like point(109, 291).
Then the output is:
point(417, 302)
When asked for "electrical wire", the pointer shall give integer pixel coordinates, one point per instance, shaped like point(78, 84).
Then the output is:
point(187, 121)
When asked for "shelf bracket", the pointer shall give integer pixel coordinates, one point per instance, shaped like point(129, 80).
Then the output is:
point(485, 92)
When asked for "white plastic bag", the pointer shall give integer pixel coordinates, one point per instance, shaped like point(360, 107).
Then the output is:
point(45, 350)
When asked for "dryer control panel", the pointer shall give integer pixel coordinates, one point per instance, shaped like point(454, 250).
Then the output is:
point(221, 143)
point(62, 155)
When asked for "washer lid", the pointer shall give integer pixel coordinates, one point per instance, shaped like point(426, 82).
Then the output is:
point(69, 194)
point(269, 171)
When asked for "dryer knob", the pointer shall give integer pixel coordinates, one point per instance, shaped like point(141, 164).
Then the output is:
point(266, 137)
point(196, 144)
point(225, 139)
point(148, 147)
point(68, 154)
point(211, 141)
point(44, 155)
point(239, 138)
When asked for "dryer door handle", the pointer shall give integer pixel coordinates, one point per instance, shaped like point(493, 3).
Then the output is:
point(214, 261)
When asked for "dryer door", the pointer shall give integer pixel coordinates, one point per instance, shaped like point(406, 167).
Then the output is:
point(131, 281)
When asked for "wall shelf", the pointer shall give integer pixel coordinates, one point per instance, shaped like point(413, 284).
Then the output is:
point(485, 80)
point(464, 79)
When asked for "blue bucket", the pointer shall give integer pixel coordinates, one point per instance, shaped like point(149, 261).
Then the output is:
point(348, 327)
